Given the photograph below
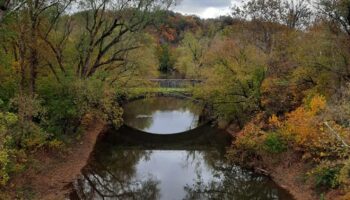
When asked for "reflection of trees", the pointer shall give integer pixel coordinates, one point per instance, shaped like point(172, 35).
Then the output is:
point(112, 176)
point(147, 107)
point(229, 182)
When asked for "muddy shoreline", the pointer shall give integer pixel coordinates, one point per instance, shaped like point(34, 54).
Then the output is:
point(48, 180)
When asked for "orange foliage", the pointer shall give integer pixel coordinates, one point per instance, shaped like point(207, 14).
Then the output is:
point(303, 124)
point(274, 121)
point(249, 138)
point(318, 103)
point(170, 34)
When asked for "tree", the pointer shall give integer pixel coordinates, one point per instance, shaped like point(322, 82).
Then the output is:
point(233, 73)
point(268, 17)
point(337, 11)
point(8, 6)
point(110, 32)
point(193, 50)
point(166, 60)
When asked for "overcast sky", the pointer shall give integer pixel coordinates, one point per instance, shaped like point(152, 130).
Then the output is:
point(206, 8)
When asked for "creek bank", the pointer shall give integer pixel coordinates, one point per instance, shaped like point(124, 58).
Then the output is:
point(287, 170)
point(48, 179)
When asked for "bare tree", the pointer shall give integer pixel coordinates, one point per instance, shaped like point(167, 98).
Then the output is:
point(110, 32)
point(9, 6)
point(296, 13)
point(337, 11)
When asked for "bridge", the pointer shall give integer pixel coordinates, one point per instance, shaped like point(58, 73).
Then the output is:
point(176, 83)
point(165, 87)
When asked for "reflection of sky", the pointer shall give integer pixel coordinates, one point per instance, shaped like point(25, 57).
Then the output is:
point(167, 122)
point(162, 115)
point(168, 167)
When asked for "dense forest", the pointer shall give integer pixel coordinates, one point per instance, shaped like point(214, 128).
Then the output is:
point(276, 74)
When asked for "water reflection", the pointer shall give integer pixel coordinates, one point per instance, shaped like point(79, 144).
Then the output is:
point(121, 168)
point(114, 177)
point(162, 115)
point(232, 182)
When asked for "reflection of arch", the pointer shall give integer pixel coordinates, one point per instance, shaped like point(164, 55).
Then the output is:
point(111, 172)
point(203, 136)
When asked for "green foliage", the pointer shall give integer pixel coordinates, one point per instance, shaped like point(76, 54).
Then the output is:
point(166, 59)
point(274, 143)
point(327, 177)
point(7, 121)
point(68, 102)
point(4, 162)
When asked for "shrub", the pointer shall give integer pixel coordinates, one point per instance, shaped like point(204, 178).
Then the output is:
point(344, 176)
point(274, 143)
point(303, 125)
point(67, 104)
point(327, 177)
point(7, 120)
point(4, 163)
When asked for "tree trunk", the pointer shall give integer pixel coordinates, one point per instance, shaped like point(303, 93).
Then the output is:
point(2, 13)
point(33, 61)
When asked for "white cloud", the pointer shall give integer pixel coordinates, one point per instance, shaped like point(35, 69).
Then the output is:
point(212, 12)
point(206, 8)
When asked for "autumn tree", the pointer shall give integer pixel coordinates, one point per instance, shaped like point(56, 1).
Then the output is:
point(268, 17)
point(192, 52)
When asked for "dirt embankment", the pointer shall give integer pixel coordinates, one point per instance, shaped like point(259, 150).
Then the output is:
point(288, 171)
point(285, 172)
point(47, 179)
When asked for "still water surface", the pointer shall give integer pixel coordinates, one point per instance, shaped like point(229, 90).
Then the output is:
point(162, 115)
point(127, 164)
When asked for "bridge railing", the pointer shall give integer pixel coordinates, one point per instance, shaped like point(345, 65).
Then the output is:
point(176, 83)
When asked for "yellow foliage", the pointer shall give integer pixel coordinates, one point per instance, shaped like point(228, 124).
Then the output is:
point(317, 104)
point(56, 144)
point(16, 66)
point(304, 126)
point(4, 161)
point(250, 138)
point(274, 121)
point(87, 119)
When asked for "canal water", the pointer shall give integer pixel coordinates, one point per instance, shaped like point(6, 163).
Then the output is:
point(179, 158)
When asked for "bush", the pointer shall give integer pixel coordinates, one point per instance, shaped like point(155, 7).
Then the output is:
point(274, 143)
point(68, 103)
point(4, 163)
point(344, 176)
point(7, 121)
point(327, 177)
